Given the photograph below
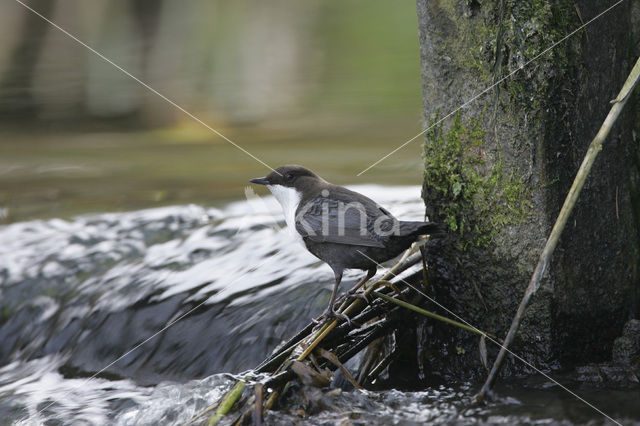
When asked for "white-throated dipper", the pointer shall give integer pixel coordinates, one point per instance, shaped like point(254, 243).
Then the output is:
point(341, 227)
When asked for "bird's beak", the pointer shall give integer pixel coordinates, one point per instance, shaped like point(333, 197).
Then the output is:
point(260, 181)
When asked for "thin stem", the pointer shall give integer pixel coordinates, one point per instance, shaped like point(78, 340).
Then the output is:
point(569, 203)
point(225, 406)
point(429, 314)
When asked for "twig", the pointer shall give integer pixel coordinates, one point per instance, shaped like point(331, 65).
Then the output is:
point(333, 359)
point(381, 365)
point(321, 335)
point(408, 259)
point(202, 413)
point(257, 416)
point(569, 203)
point(430, 314)
point(298, 348)
point(226, 404)
point(277, 358)
point(377, 332)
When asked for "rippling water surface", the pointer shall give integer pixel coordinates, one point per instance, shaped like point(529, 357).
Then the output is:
point(94, 328)
point(78, 295)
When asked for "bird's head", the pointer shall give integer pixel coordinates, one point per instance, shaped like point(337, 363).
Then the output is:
point(290, 176)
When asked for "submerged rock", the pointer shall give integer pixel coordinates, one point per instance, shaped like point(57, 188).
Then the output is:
point(626, 348)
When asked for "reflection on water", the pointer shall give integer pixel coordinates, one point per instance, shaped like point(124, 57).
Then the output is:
point(239, 62)
point(332, 86)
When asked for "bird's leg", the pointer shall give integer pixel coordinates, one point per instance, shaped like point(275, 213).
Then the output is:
point(370, 273)
point(330, 313)
point(352, 293)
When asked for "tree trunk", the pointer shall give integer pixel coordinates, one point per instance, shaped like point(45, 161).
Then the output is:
point(498, 170)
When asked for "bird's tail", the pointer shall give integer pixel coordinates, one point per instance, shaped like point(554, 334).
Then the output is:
point(421, 228)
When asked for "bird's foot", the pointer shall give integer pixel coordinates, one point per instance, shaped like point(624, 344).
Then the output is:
point(353, 295)
point(359, 295)
point(330, 315)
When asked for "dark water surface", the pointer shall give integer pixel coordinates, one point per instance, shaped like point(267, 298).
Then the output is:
point(89, 296)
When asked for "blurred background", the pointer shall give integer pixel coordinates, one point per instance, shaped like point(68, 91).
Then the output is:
point(333, 86)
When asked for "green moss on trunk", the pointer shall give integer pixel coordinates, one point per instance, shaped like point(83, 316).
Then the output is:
point(475, 198)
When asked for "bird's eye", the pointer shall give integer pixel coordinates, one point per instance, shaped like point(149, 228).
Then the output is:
point(288, 176)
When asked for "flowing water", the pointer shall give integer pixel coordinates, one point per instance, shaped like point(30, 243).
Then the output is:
point(94, 325)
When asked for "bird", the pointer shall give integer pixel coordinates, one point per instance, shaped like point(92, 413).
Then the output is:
point(341, 227)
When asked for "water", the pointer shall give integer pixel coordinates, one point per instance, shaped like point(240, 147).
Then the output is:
point(93, 325)
point(290, 83)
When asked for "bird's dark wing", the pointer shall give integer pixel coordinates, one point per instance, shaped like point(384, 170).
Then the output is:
point(331, 220)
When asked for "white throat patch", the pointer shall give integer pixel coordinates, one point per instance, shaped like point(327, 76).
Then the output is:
point(289, 199)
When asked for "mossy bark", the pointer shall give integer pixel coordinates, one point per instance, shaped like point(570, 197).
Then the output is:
point(510, 157)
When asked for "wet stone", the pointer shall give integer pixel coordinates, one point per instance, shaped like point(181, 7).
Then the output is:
point(626, 348)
